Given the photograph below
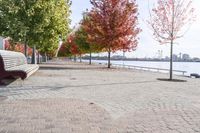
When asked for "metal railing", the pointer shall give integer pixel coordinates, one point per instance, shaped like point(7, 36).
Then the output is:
point(148, 68)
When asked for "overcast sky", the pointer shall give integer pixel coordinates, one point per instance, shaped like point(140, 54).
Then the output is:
point(147, 46)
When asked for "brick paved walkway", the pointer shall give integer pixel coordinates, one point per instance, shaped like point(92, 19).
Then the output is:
point(53, 115)
point(59, 98)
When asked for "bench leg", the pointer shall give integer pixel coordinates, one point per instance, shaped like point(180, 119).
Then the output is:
point(1, 82)
point(22, 83)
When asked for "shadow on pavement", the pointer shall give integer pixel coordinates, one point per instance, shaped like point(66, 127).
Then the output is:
point(7, 81)
point(32, 87)
point(105, 84)
point(70, 68)
point(173, 80)
point(2, 98)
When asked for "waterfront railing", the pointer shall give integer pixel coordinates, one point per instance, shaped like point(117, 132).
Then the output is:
point(154, 69)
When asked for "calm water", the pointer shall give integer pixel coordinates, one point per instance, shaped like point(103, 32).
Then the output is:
point(190, 67)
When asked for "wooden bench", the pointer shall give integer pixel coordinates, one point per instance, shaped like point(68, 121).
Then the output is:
point(14, 64)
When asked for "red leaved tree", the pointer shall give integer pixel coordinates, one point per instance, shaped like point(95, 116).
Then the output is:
point(169, 21)
point(113, 25)
point(69, 47)
point(17, 47)
point(74, 49)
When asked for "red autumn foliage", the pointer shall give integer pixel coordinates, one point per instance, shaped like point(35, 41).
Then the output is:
point(17, 47)
point(170, 20)
point(69, 47)
point(74, 48)
point(113, 25)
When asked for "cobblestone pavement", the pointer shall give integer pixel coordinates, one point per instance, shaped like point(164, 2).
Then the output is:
point(67, 97)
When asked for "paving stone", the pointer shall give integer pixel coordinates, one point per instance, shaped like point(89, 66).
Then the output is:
point(82, 98)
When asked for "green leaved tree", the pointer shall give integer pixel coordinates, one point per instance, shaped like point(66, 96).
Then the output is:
point(35, 22)
point(81, 38)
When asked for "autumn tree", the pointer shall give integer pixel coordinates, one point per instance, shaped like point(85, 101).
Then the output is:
point(69, 47)
point(57, 28)
point(169, 20)
point(113, 25)
point(81, 41)
point(13, 46)
point(64, 50)
point(81, 38)
point(35, 22)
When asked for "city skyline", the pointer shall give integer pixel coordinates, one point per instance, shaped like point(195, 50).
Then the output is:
point(147, 46)
point(176, 57)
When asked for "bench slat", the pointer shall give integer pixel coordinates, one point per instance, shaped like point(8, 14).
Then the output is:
point(15, 64)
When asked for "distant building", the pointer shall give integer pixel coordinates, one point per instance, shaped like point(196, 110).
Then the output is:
point(118, 57)
point(185, 57)
point(175, 57)
point(196, 59)
point(166, 58)
point(180, 57)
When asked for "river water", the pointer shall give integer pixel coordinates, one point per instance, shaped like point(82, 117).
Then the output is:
point(190, 67)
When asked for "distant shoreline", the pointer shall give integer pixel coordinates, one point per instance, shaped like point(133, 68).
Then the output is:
point(142, 60)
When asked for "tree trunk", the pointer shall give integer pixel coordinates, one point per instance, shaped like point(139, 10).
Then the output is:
point(90, 62)
point(33, 56)
point(172, 41)
point(123, 57)
point(74, 58)
point(109, 51)
point(38, 60)
point(80, 58)
point(171, 61)
point(45, 57)
point(25, 49)
point(25, 46)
